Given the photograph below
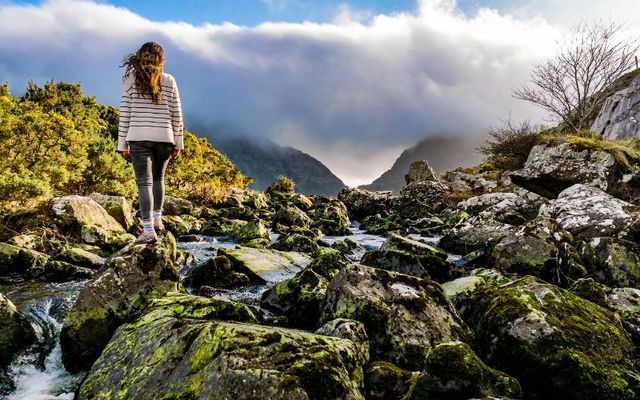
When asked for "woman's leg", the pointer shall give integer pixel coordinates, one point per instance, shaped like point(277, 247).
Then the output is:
point(161, 155)
point(141, 157)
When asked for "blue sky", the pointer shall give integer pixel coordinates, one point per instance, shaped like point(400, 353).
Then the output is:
point(354, 85)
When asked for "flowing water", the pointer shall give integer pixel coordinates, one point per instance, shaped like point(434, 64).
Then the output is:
point(40, 374)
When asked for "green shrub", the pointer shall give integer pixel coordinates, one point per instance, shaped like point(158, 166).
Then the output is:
point(509, 146)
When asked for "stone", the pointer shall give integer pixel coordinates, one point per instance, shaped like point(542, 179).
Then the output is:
point(611, 261)
point(250, 231)
point(299, 298)
point(118, 294)
point(397, 242)
point(558, 345)
point(195, 355)
point(475, 234)
point(425, 266)
point(216, 272)
point(351, 330)
point(377, 225)
point(404, 316)
point(588, 212)
point(265, 265)
point(362, 203)
point(328, 262)
point(84, 218)
point(177, 206)
point(80, 257)
point(619, 115)
point(420, 171)
point(331, 218)
point(386, 381)
point(290, 215)
point(61, 271)
point(295, 242)
point(420, 200)
point(116, 206)
point(550, 169)
point(16, 332)
point(18, 262)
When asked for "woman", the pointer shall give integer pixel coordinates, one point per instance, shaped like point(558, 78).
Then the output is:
point(150, 130)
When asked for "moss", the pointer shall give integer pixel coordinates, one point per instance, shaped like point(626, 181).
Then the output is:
point(625, 151)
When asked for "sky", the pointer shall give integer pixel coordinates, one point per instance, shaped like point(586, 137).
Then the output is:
point(353, 83)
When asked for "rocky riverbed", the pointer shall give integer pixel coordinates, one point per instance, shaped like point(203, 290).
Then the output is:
point(463, 286)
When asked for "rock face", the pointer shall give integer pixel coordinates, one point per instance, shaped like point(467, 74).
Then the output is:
point(265, 265)
point(128, 281)
point(558, 345)
point(588, 212)
point(16, 333)
point(189, 353)
point(620, 115)
point(88, 220)
point(551, 169)
point(404, 316)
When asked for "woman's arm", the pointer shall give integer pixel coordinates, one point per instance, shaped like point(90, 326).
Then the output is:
point(125, 114)
point(176, 118)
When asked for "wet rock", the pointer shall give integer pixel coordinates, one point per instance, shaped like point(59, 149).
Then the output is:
point(331, 218)
point(299, 298)
point(292, 216)
point(18, 262)
point(120, 292)
point(216, 272)
point(16, 332)
point(550, 169)
point(386, 381)
point(250, 231)
point(195, 355)
point(80, 257)
point(404, 316)
point(558, 345)
point(611, 261)
point(462, 288)
point(362, 203)
point(116, 206)
point(454, 371)
point(61, 271)
point(348, 248)
point(177, 206)
point(475, 234)
point(295, 242)
point(377, 225)
point(588, 212)
point(328, 262)
point(87, 220)
point(351, 330)
point(426, 266)
point(265, 265)
point(420, 171)
point(402, 243)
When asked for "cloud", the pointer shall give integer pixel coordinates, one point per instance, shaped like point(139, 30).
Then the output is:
point(353, 92)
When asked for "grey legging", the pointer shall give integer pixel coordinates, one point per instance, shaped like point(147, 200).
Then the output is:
point(150, 160)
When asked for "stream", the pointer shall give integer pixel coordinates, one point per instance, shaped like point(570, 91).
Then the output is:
point(40, 374)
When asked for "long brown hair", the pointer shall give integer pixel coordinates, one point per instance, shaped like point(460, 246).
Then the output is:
point(147, 64)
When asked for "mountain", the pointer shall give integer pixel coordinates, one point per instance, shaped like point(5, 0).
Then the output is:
point(264, 161)
point(442, 152)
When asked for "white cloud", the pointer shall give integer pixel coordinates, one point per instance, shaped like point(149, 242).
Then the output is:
point(353, 92)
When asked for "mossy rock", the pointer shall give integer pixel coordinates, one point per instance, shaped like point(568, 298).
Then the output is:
point(404, 316)
point(116, 206)
point(475, 234)
point(331, 217)
point(295, 242)
point(454, 372)
point(395, 241)
point(348, 248)
point(80, 257)
point(120, 292)
point(265, 265)
point(290, 215)
point(299, 299)
point(429, 266)
point(386, 381)
point(61, 271)
point(16, 332)
point(376, 225)
point(328, 262)
point(558, 345)
point(348, 329)
point(194, 357)
point(18, 262)
point(216, 272)
point(250, 231)
point(611, 261)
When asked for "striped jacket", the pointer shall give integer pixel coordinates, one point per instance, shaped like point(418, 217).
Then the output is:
point(140, 119)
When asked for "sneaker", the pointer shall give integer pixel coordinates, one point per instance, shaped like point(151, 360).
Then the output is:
point(158, 225)
point(146, 238)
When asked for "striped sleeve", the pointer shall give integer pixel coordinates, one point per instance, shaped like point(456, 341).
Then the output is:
point(125, 116)
point(176, 118)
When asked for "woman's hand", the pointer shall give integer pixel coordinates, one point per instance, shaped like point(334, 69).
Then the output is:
point(126, 154)
point(175, 153)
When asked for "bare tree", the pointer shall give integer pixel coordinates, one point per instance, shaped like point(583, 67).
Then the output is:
point(572, 85)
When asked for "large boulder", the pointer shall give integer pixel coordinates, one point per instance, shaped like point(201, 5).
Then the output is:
point(420, 200)
point(331, 217)
point(558, 345)
point(475, 234)
point(192, 353)
point(81, 257)
point(117, 206)
point(404, 316)
point(290, 215)
point(216, 272)
point(16, 332)
point(177, 206)
point(612, 261)
point(619, 115)
point(87, 220)
point(362, 203)
point(118, 294)
point(265, 265)
point(18, 262)
point(588, 212)
point(550, 169)
point(510, 208)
